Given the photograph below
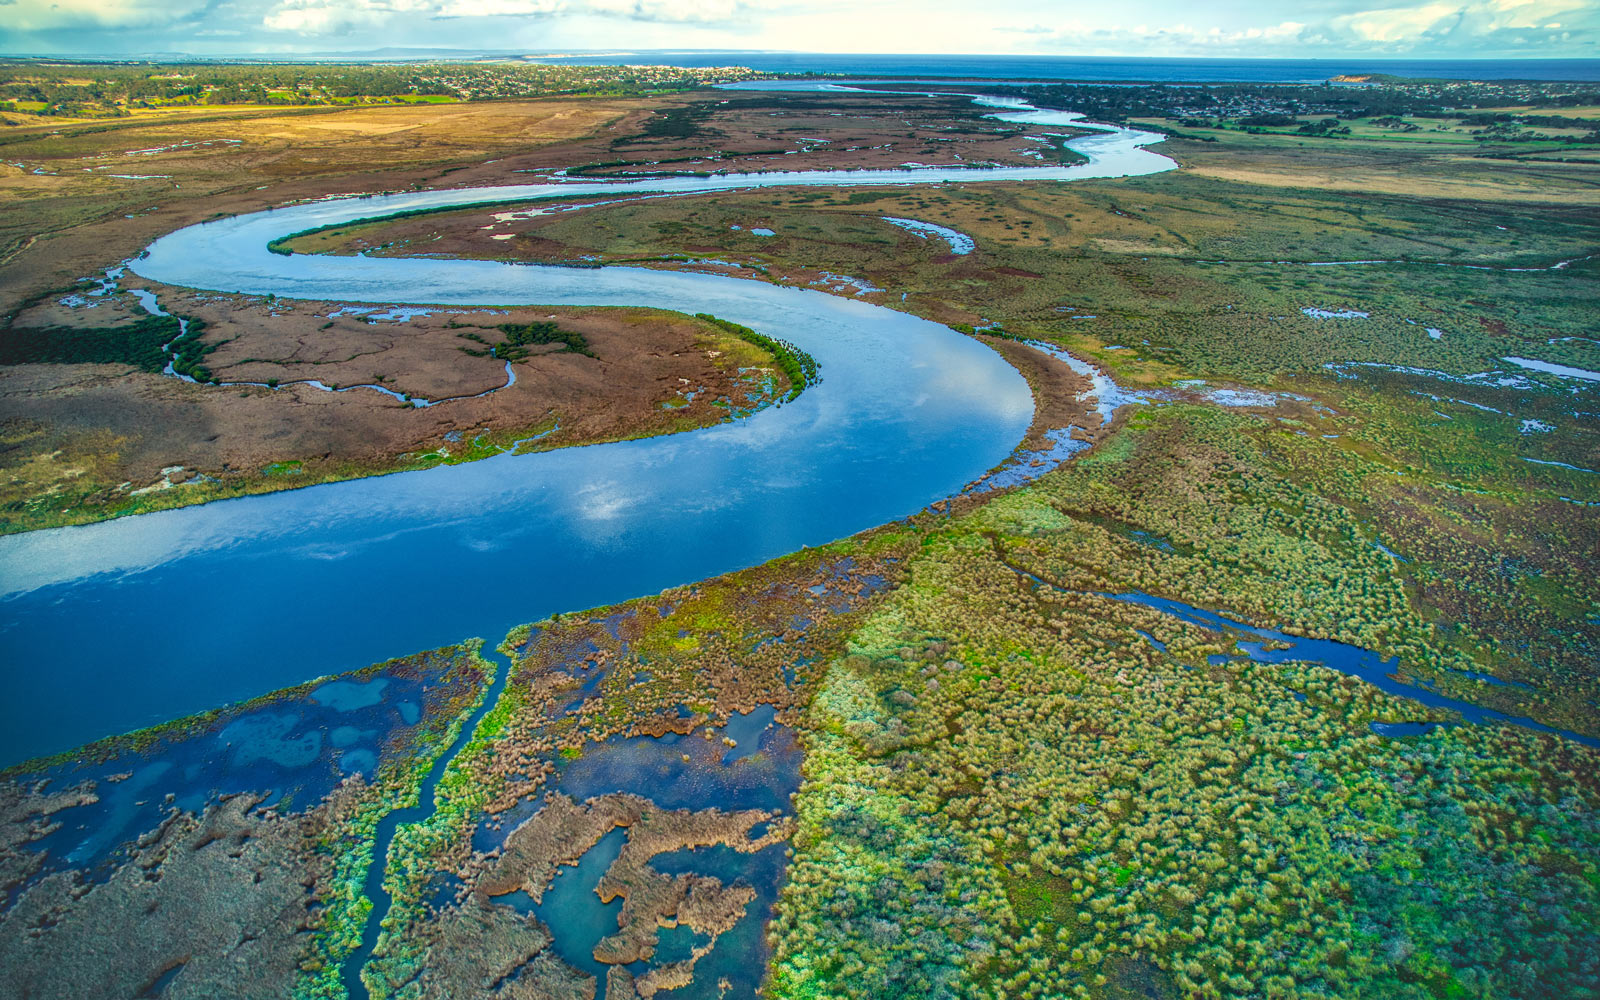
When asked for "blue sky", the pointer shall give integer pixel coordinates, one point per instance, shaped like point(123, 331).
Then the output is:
point(1253, 28)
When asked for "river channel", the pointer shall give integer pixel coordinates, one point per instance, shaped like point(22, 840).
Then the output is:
point(112, 626)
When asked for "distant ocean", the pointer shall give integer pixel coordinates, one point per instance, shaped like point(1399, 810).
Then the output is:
point(1097, 69)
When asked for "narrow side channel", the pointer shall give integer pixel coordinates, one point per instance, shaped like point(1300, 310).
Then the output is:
point(1353, 661)
point(350, 976)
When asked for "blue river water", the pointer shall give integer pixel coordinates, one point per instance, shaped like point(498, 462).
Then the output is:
point(1264, 645)
point(112, 626)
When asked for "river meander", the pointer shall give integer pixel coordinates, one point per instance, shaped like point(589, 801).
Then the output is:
point(112, 626)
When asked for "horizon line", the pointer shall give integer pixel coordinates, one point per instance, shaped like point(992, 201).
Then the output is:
point(617, 52)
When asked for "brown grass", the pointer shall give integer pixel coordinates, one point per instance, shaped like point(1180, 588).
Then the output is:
point(79, 219)
point(1393, 167)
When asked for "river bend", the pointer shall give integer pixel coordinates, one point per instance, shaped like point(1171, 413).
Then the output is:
point(112, 626)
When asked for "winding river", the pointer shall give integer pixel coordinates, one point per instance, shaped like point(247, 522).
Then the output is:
point(112, 626)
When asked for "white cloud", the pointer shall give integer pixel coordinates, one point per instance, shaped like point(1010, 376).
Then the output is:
point(1439, 27)
point(1394, 23)
point(498, 8)
point(1179, 38)
point(1321, 28)
point(316, 17)
point(37, 15)
point(1476, 19)
point(331, 17)
point(683, 11)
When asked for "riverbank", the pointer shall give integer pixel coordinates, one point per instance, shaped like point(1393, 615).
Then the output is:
point(308, 392)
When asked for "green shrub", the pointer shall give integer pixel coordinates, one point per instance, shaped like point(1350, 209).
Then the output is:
point(520, 336)
point(798, 366)
point(137, 344)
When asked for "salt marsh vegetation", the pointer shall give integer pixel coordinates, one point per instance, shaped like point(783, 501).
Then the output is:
point(984, 775)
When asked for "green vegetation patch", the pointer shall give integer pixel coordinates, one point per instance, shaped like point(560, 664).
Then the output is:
point(799, 367)
point(1043, 802)
point(520, 337)
point(137, 344)
point(120, 90)
point(147, 344)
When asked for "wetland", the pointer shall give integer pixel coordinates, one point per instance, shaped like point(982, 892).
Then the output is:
point(1128, 609)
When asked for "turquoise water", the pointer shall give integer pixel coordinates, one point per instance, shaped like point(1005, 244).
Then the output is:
point(740, 955)
point(1100, 68)
point(571, 907)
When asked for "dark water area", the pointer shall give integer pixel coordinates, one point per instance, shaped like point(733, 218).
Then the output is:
point(675, 944)
point(1490, 679)
point(293, 751)
point(1027, 466)
point(742, 954)
point(1400, 730)
point(1154, 541)
point(746, 731)
point(571, 907)
point(1096, 68)
point(1155, 643)
point(1343, 657)
point(589, 678)
point(760, 772)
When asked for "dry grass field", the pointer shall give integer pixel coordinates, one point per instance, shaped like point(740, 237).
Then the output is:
point(1390, 164)
point(74, 200)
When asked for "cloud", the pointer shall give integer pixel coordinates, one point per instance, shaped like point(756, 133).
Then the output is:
point(1395, 23)
point(317, 17)
point(333, 17)
point(42, 15)
point(674, 11)
point(1320, 28)
point(498, 8)
point(1179, 38)
point(1464, 24)
point(1437, 27)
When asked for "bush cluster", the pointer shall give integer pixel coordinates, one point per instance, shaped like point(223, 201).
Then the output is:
point(797, 366)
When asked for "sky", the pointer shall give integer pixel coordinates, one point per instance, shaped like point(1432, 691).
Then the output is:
point(1437, 29)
